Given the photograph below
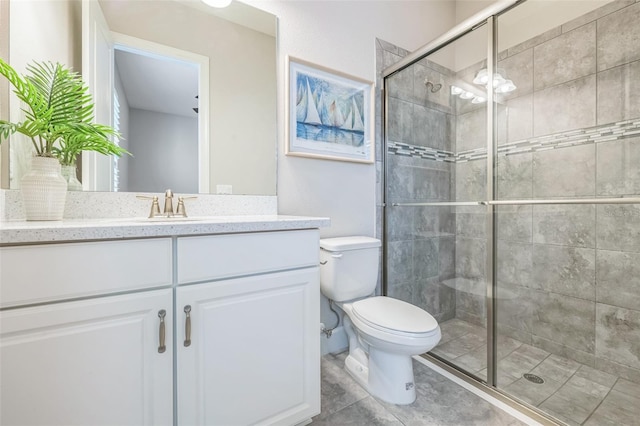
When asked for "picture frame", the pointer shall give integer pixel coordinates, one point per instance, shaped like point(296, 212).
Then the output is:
point(329, 114)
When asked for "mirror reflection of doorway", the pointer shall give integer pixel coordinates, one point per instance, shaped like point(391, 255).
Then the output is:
point(155, 105)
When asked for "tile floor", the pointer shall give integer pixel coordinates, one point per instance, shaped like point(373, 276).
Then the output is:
point(439, 402)
point(572, 392)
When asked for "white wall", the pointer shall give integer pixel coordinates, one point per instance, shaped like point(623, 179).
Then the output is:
point(39, 31)
point(341, 35)
point(468, 8)
point(154, 170)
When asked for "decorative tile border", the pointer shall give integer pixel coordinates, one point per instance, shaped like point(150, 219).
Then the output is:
point(407, 150)
point(590, 135)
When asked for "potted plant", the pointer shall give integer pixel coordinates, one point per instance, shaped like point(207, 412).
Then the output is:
point(73, 143)
point(58, 119)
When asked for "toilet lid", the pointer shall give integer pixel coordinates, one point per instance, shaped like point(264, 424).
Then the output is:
point(394, 314)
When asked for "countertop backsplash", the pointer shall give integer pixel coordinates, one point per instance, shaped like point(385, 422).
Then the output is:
point(96, 205)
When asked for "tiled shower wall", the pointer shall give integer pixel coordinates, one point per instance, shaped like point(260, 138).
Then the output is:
point(421, 248)
point(568, 275)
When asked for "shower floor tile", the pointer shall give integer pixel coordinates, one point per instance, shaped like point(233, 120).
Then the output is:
point(573, 393)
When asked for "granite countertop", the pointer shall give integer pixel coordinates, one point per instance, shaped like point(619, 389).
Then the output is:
point(23, 232)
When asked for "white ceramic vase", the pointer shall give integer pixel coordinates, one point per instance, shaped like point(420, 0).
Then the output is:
point(69, 174)
point(44, 190)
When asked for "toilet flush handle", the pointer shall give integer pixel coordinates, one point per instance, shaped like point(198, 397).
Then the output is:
point(335, 256)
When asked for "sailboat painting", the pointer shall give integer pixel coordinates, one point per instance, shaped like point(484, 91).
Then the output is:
point(329, 114)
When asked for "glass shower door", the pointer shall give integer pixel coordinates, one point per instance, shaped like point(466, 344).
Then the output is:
point(567, 244)
point(436, 161)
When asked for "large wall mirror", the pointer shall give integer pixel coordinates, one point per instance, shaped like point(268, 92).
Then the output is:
point(192, 90)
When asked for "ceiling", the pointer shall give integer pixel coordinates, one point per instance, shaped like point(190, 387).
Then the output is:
point(238, 13)
point(159, 84)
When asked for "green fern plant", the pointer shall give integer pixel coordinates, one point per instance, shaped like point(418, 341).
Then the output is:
point(59, 113)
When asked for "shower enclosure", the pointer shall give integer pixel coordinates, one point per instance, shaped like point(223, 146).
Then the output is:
point(512, 202)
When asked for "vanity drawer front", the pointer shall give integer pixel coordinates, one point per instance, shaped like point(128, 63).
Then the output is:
point(222, 256)
point(42, 273)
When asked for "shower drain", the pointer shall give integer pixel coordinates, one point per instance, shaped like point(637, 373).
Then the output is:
point(533, 378)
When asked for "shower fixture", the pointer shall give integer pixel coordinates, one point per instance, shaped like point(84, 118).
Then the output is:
point(432, 87)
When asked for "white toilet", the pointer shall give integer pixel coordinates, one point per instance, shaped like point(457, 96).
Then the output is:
point(384, 333)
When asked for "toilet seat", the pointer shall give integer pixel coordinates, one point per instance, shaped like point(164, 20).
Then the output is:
point(393, 316)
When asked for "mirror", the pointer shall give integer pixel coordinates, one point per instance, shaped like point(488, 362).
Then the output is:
point(239, 45)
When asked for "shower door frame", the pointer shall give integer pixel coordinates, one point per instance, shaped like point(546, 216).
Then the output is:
point(485, 17)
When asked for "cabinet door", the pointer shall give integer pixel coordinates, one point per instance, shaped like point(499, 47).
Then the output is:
point(254, 353)
point(88, 362)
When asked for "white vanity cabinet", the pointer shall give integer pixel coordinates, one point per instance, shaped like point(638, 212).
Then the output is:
point(89, 362)
point(217, 329)
point(93, 360)
point(247, 347)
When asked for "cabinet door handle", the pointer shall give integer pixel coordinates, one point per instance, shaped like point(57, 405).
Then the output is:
point(187, 326)
point(161, 314)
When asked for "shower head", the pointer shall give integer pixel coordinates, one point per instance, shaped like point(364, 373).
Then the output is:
point(432, 87)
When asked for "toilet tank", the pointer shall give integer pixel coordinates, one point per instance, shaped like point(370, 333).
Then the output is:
point(348, 267)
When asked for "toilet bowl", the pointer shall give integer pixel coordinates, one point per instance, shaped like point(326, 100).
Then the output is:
point(384, 333)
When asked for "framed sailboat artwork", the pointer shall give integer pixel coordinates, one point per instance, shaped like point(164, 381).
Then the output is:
point(329, 114)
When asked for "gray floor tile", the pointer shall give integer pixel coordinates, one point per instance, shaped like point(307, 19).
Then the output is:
point(515, 364)
point(533, 393)
point(598, 419)
point(439, 402)
point(459, 346)
point(446, 403)
point(453, 329)
point(561, 417)
point(338, 389)
point(586, 386)
point(367, 411)
point(618, 407)
point(473, 361)
point(482, 374)
point(571, 391)
point(597, 376)
point(506, 345)
point(531, 353)
point(556, 368)
point(478, 331)
point(504, 379)
point(571, 403)
point(628, 388)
